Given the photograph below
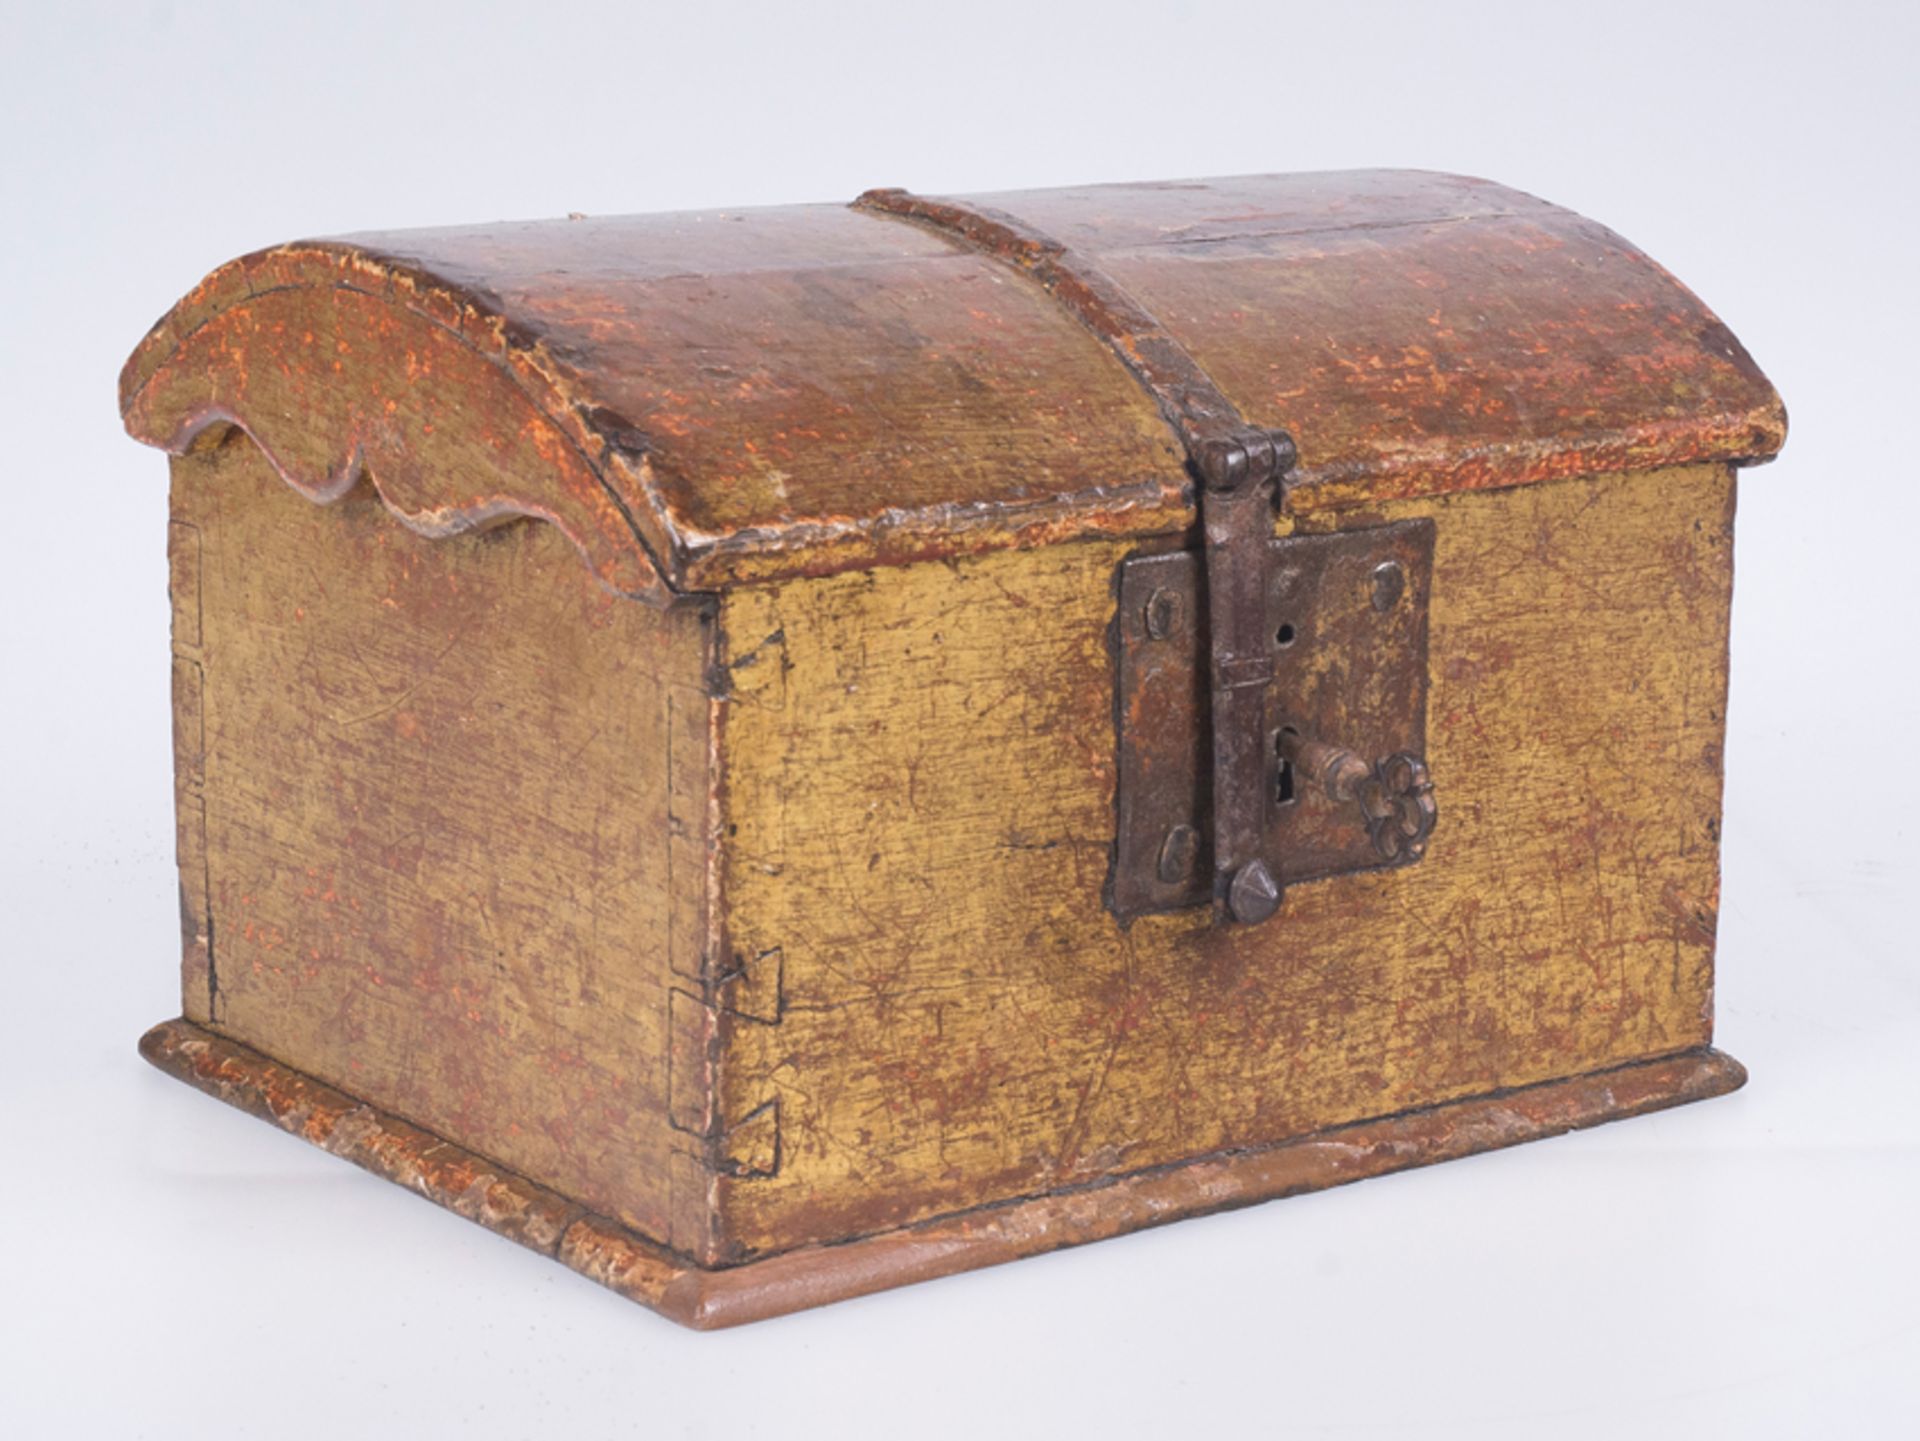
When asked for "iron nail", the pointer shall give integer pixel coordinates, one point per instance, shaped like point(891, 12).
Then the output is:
point(1177, 852)
point(1163, 613)
point(1389, 584)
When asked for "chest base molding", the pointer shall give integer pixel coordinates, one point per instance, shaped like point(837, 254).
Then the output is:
point(709, 1299)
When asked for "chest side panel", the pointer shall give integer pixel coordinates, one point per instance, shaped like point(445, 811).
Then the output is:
point(920, 813)
point(425, 805)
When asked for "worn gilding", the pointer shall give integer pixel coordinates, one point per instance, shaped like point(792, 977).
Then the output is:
point(920, 810)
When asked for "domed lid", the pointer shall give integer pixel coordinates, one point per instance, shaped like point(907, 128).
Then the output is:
point(704, 400)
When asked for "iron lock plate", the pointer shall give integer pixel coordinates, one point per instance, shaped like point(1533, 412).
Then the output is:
point(1347, 621)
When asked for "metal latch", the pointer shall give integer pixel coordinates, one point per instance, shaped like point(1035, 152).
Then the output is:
point(1240, 476)
point(1271, 702)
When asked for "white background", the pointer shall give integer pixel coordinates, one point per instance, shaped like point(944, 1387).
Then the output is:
point(1743, 1268)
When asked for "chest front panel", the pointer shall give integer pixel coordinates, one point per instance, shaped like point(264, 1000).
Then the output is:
point(919, 782)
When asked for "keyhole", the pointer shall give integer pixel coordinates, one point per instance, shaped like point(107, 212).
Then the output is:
point(1283, 785)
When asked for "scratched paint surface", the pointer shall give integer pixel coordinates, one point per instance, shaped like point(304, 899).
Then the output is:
point(437, 849)
point(1373, 347)
point(1418, 332)
point(713, 399)
point(919, 771)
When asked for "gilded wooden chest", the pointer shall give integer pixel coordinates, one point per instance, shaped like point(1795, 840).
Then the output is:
point(771, 754)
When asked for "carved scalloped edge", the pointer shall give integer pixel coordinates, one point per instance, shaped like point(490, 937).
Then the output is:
point(593, 483)
point(435, 524)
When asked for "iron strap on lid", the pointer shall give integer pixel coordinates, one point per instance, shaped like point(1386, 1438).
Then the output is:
point(1240, 471)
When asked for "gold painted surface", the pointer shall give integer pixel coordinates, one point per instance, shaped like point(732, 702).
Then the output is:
point(918, 782)
point(455, 857)
point(437, 843)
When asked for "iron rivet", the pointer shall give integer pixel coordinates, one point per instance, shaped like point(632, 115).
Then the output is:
point(1176, 855)
point(1254, 894)
point(1285, 456)
point(1163, 613)
point(1389, 584)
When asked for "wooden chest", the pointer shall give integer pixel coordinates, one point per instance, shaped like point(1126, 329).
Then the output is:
point(771, 754)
